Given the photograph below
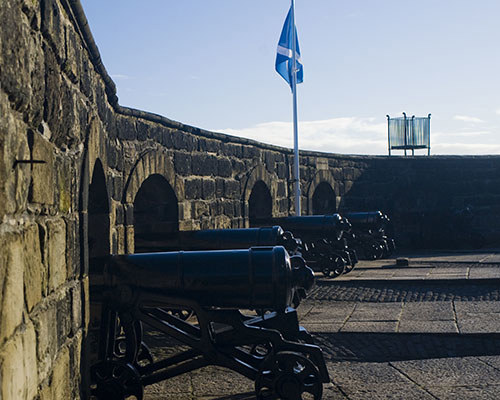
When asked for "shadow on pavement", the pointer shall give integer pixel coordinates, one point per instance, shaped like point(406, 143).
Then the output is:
point(384, 347)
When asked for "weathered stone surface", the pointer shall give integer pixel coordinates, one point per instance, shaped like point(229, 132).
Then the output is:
point(11, 281)
point(120, 238)
point(12, 370)
point(43, 183)
point(30, 362)
point(193, 188)
point(232, 189)
point(204, 164)
point(208, 189)
point(76, 309)
point(224, 168)
point(15, 176)
point(18, 366)
point(200, 209)
point(182, 163)
point(45, 323)
point(56, 245)
point(33, 267)
point(61, 376)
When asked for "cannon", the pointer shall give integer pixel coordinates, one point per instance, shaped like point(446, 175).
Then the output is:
point(269, 348)
point(323, 245)
point(222, 239)
point(369, 234)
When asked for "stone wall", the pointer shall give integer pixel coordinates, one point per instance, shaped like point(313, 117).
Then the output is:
point(434, 202)
point(41, 326)
point(77, 170)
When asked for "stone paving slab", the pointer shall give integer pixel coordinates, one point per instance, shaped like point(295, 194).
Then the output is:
point(435, 317)
point(449, 371)
point(392, 272)
point(485, 273)
point(455, 256)
point(427, 327)
point(428, 311)
point(465, 392)
point(492, 258)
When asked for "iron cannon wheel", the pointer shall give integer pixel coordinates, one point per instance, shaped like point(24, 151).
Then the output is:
point(115, 380)
point(348, 268)
point(290, 376)
point(340, 265)
point(327, 272)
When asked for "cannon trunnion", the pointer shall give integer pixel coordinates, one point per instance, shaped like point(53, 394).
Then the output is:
point(269, 347)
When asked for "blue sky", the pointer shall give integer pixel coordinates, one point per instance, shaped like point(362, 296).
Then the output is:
point(211, 64)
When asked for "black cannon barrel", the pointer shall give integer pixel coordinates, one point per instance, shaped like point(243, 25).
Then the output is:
point(221, 239)
point(369, 219)
point(314, 225)
point(260, 277)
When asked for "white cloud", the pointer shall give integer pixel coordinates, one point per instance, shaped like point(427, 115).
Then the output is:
point(351, 135)
point(465, 148)
point(121, 76)
point(356, 135)
point(454, 134)
point(497, 111)
point(466, 118)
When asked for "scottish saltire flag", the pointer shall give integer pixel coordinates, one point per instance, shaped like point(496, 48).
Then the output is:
point(284, 61)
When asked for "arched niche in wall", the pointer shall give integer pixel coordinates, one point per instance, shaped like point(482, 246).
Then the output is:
point(321, 197)
point(260, 204)
point(98, 214)
point(156, 212)
point(98, 239)
point(259, 196)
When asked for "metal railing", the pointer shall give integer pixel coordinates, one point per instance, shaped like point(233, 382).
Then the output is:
point(409, 133)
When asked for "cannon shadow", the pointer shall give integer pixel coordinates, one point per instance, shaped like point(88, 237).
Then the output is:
point(385, 347)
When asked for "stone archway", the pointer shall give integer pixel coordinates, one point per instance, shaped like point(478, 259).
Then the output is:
point(266, 186)
point(156, 212)
point(151, 163)
point(321, 194)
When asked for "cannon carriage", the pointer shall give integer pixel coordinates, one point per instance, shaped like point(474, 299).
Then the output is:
point(323, 243)
point(269, 348)
point(370, 234)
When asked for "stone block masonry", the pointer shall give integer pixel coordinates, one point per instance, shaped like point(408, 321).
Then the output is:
point(82, 176)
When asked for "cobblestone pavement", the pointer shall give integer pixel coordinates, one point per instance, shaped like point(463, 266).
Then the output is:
point(406, 290)
point(425, 331)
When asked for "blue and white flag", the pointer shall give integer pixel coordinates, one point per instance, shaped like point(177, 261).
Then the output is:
point(284, 56)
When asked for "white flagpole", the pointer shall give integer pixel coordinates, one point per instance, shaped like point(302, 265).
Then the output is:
point(295, 129)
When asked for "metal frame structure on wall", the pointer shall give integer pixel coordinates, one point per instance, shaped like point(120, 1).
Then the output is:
point(412, 133)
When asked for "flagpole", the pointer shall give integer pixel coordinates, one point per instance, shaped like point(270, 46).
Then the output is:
point(295, 128)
